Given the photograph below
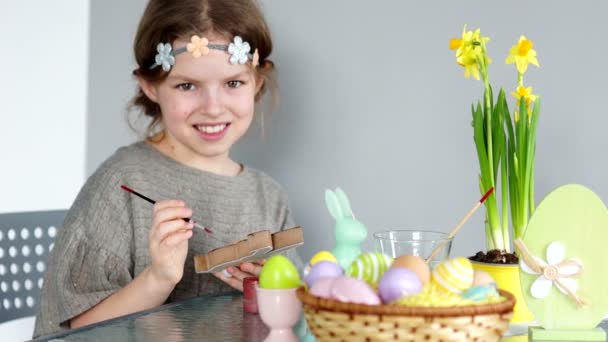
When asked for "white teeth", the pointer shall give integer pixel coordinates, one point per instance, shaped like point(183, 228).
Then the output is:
point(211, 129)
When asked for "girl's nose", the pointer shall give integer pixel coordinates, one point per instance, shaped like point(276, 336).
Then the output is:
point(211, 103)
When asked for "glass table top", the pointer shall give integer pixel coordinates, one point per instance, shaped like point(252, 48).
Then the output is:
point(210, 318)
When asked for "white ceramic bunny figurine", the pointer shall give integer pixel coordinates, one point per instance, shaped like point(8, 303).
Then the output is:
point(349, 232)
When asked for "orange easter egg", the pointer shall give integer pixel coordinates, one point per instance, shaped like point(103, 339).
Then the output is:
point(415, 264)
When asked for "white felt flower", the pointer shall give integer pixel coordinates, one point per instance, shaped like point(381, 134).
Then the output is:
point(164, 57)
point(555, 271)
point(239, 51)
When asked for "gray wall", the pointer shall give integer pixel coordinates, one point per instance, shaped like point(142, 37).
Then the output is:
point(373, 102)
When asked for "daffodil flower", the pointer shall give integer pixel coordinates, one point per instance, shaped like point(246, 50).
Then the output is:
point(522, 54)
point(468, 60)
point(198, 46)
point(555, 271)
point(470, 51)
point(526, 93)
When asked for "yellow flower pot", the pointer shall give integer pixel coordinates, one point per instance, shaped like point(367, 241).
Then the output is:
point(507, 278)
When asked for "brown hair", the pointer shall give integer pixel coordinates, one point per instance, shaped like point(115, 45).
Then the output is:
point(169, 20)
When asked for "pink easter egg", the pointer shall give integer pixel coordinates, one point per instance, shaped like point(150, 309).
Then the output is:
point(398, 282)
point(481, 278)
point(351, 290)
point(322, 287)
point(323, 269)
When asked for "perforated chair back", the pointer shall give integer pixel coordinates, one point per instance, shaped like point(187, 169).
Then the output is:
point(25, 242)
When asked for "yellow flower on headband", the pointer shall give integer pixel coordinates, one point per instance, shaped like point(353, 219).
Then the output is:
point(198, 46)
point(522, 54)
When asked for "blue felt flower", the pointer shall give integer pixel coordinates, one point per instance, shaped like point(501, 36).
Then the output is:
point(164, 57)
point(239, 51)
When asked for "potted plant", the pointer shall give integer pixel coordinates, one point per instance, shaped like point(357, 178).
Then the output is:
point(505, 144)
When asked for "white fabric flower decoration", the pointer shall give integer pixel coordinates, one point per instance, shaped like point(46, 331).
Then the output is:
point(555, 271)
point(164, 57)
point(239, 51)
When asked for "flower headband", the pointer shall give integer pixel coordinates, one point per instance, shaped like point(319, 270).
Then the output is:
point(238, 50)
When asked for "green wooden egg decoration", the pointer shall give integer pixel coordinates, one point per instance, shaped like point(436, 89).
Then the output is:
point(568, 236)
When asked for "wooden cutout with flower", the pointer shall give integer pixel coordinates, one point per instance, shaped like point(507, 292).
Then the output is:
point(505, 143)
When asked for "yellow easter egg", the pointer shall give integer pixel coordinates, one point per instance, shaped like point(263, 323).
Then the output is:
point(416, 264)
point(453, 275)
point(322, 256)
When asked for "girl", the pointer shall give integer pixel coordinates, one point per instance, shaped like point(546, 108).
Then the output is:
point(202, 67)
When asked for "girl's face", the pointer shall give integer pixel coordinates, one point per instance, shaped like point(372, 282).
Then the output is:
point(207, 104)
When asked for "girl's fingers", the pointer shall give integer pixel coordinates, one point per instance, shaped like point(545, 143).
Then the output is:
point(251, 268)
point(171, 213)
point(233, 282)
point(238, 273)
point(176, 238)
point(167, 228)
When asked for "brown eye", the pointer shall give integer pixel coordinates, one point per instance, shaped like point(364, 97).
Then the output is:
point(185, 86)
point(234, 84)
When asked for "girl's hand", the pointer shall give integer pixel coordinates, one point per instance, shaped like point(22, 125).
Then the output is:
point(168, 241)
point(234, 276)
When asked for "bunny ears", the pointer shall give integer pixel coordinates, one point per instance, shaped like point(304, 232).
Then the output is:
point(338, 204)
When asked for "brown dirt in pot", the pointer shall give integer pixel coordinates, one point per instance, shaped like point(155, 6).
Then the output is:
point(495, 256)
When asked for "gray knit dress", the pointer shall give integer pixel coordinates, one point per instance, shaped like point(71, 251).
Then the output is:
point(103, 244)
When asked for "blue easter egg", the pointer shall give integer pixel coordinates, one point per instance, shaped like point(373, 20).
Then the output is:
point(479, 293)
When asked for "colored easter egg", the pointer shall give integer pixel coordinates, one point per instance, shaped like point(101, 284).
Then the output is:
point(369, 267)
point(323, 269)
point(416, 264)
point(322, 287)
point(480, 293)
point(322, 256)
point(453, 275)
point(279, 273)
point(482, 278)
point(351, 290)
point(398, 282)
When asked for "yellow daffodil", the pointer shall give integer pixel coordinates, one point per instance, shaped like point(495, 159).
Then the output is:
point(469, 61)
point(522, 54)
point(526, 93)
point(470, 49)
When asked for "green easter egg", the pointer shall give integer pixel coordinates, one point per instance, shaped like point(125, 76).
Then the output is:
point(575, 218)
point(370, 267)
point(279, 273)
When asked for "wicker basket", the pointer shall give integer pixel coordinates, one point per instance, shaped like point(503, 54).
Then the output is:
point(331, 320)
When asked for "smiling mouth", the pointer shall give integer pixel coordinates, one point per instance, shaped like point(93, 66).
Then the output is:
point(212, 129)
